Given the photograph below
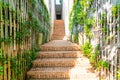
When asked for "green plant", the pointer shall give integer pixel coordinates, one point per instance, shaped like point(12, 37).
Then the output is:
point(93, 57)
point(19, 27)
point(104, 29)
point(102, 64)
point(114, 11)
point(76, 38)
point(1, 59)
point(79, 15)
point(102, 20)
point(93, 9)
point(1, 70)
point(118, 73)
point(118, 28)
point(87, 49)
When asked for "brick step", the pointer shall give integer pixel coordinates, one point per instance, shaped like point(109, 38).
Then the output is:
point(54, 38)
point(48, 79)
point(59, 26)
point(58, 21)
point(60, 73)
point(81, 78)
point(59, 54)
point(59, 30)
point(59, 48)
point(62, 34)
point(49, 73)
point(54, 62)
point(58, 37)
point(61, 62)
point(59, 45)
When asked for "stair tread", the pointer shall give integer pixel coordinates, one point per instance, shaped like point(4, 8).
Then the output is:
point(71, 70)
point(52, 69)
point(56, 59)
point(59, 52)
point(50, 79)
point(55, 62)
point(60, 43)
point(60, 59)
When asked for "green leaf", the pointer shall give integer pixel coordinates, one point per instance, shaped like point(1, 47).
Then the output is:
point(1, 70)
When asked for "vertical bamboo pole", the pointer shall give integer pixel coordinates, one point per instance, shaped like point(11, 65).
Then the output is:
point(5, 37)
point(11, 45)
point(21, 21)
point(1, 28)
point(9, 49)
point(14, 32)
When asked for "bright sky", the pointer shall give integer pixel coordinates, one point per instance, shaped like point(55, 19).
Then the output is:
point(58, 2)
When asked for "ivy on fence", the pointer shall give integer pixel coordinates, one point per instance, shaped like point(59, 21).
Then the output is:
point(100, 22)
point(21, 22)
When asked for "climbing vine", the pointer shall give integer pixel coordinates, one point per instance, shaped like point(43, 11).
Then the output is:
point(79, 16)
point(20, 25)
point(97, 24)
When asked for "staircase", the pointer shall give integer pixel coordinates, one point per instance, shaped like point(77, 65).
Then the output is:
point(59, 30)
point(60, 60)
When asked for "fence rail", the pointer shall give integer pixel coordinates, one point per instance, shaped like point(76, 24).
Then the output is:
point(108, 20)
point(98, 21)
point(21, 24)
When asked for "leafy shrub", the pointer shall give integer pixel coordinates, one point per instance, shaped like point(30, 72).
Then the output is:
point(102, 64)
point(87, 49)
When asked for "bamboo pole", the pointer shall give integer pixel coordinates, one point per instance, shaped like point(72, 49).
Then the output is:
point(11, 45)
point(5, 37)
point(1, 36)
point(8, 44)
point(14, 43)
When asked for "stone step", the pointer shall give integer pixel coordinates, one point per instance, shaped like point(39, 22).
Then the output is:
point(55, 62)
point(48, 73)
point(59, 54)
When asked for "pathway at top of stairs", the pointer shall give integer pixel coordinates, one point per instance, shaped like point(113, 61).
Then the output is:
point(59, 30)
point(61, 60)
